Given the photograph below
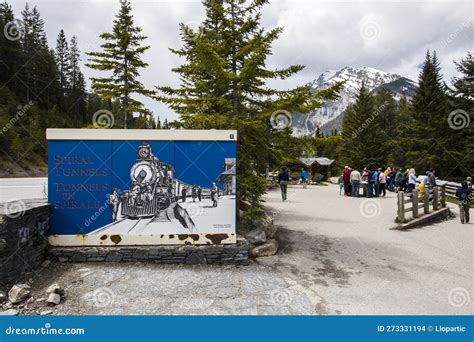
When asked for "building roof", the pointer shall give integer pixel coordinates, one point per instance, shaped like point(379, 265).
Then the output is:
point(226, 173)
point(323, 161)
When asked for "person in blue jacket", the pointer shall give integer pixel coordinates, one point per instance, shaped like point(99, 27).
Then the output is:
point(375, 178)
point(304, 177)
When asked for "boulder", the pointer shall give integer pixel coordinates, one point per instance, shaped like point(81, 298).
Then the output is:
point(267, 249)
point(19, 293)
point(3, 296)
point(267, 226)
point(55, 288)
point(46, 312)
point(256, 236)
point(53, 299)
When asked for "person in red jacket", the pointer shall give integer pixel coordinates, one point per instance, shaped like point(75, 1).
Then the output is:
point(346, 176)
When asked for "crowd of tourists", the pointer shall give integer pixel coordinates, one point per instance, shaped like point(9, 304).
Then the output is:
point(376, 182)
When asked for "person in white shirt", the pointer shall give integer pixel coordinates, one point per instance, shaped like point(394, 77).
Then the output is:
point(355, 182)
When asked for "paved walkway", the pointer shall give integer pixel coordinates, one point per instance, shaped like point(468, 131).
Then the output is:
point(343, 250)
point(338, 256)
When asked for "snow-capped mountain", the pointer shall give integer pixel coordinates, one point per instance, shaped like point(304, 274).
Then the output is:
point(329, 116)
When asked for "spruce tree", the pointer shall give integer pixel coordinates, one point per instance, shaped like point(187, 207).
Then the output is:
point(424, 137)
point(224, 85)
point(63, 65)
point(364, 142)
point(461, 119)
point(76, 82)
point(121, 58)
point(11, 57)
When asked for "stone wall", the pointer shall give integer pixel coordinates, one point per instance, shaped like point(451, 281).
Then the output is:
point(237, 254)
point(23, 242)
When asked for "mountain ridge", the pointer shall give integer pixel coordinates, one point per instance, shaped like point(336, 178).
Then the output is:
point(329, 116)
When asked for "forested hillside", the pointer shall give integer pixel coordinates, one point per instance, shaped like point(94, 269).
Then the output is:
point(41, 86)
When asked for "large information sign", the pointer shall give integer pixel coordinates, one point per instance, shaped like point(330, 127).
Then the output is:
point(141, 187)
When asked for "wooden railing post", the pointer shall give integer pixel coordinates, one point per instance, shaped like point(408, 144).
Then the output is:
point(443, 197)
point(414, 200)
point(426, 202)
point(401, 207)
point(435, 198)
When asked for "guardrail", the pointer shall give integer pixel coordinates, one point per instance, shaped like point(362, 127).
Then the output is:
point(428, 201)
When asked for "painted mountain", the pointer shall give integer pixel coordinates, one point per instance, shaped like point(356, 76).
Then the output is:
point(330, 115)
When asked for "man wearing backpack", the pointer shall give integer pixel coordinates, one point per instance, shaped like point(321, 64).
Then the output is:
point(464, 196)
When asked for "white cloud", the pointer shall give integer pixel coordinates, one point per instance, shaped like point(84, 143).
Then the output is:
point(389, 35)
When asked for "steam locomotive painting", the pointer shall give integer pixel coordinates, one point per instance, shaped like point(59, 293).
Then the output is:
point(170, 187)
point(152, 189)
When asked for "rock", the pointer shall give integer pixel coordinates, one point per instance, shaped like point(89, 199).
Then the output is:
point(3, 296)
point(196, 258)
point(53, 299)
point(7, 305)
point(256, 236)
point(46, 312)
point(19, 293)
point(46, 263)
point(268, 248)
point(55, 288)
point(267, 226)
point(42, 299)
point(78, 257)
point(114, 256)
point(9, 312)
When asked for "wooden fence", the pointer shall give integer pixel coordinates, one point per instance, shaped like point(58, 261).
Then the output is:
point(419, 204)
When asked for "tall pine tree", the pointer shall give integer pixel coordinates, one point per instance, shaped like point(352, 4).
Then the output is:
point(425, 135)
point(121, 58)
point(63, 65)
point(462, 107)
point(364, 143)
point(224, 85)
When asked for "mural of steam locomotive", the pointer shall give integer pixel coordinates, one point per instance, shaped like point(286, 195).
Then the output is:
point(152, 188)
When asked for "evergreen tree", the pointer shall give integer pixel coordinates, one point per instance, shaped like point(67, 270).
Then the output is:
point(224, 85)
point(462, 117)
point(11, 57)
point(121, 56)
point(364, 143)
point(63, 64)
point(158, 122)
point(424, 137)
point(76, 82)
point(165, 124)
point(386, 107)
point(318, 132)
